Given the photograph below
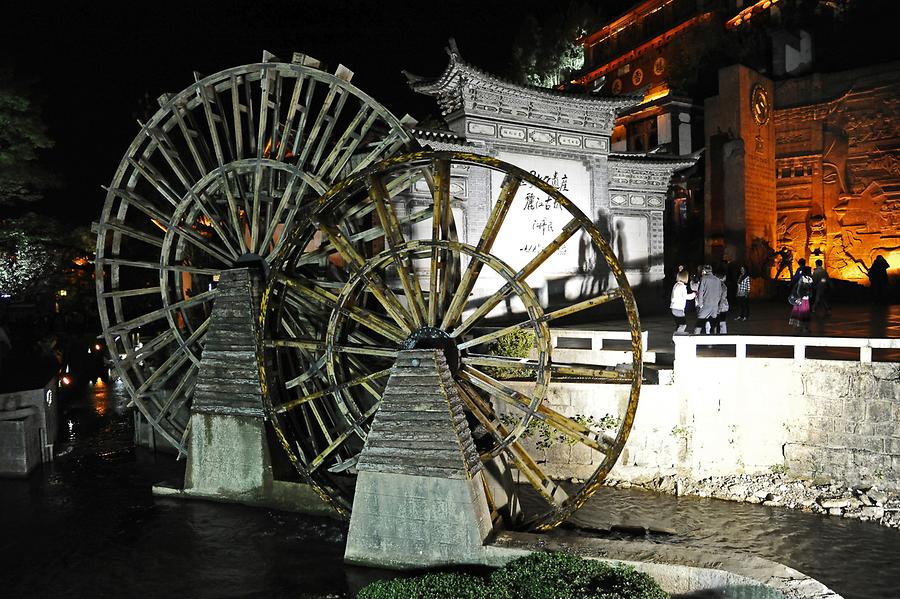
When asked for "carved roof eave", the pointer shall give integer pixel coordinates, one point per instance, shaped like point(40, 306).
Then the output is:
point(459, 73)
point(443, 140)
point(667, 161)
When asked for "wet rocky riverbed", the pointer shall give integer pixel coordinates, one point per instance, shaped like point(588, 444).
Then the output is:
point(88, 526)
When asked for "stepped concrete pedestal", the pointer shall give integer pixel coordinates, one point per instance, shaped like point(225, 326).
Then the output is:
point(420, 492)
point(228, 453)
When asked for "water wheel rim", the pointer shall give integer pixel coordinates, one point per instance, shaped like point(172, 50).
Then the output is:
point(215, 124)
point(329, 210)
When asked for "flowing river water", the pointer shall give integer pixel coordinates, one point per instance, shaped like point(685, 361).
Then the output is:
point(87, 525)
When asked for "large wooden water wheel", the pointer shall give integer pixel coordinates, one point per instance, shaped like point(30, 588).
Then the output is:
point(222, 173)
point(382, 270)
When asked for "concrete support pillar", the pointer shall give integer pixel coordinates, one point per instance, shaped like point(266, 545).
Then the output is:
point(228, 455)
point(420, 495)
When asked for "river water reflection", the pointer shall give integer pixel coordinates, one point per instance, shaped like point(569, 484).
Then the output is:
point(88, 526)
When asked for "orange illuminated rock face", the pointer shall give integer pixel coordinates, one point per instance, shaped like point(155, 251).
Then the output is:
point(837, 168)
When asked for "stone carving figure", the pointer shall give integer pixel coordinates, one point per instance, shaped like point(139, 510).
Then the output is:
point(786, 260)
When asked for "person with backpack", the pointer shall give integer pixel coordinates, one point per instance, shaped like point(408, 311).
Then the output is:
point(821, 284)
point(799, 299)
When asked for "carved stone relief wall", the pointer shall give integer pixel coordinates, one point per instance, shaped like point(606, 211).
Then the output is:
point(838, 168)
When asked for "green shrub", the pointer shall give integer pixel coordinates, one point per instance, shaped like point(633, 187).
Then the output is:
point(564, 576)
point(546, 436)
point(437, 585)
point(515, 344)
point(536, 576)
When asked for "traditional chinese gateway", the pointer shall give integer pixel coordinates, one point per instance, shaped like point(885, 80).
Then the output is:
point(564, 139)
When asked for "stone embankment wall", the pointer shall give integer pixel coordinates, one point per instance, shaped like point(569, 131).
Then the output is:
point(817, 419)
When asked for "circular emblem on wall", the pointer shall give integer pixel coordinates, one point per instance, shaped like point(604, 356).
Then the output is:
point(617, 86)
point(659, 65)
point(759, 104)
point(637, 77)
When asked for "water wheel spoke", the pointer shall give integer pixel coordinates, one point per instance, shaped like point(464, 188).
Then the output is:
point(265, 103)
point(494, 299)
point(190, 136)
point(236, 109)
point(548, 317)
point(612, 375)
point(316, 127)
point(363, 236)
point(119, 227)
point(165, 371)
point(340, 440)
point(363, 316)
point(212, 117)
point(373, 281)
point(148, 349)
point(293, 110)
point(131, 292)
point(128, 325)
point(165, 146)
point(184, 386)
point(543, 484)
point(194, 339)
point(356, 138)
point(156, 179)
point(387, 146)
point(332, 165)
point(441, 199)
point(394, 239)
point(165, 222)
point(283, 203)
point(566, 426)
point(333, 389)
point(318, 345)
point(196, 270)
point(313, 371)
point(491, 229)
point(322, 167)
point(304, 111)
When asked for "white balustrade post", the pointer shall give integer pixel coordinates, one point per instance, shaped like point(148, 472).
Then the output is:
point(865, 354)
point(685, 350)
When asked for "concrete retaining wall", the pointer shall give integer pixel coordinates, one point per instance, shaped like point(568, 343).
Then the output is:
point(20, 442)
point(720, 416)
point(42, 426)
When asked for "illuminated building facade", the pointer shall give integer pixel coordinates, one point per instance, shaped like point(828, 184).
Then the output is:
point(792, 158)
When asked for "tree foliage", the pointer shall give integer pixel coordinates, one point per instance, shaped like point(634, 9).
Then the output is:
point(39, 255)
point(546, 50)
point(23, 137)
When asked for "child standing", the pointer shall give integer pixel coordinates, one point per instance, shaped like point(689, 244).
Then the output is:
point(680, 295)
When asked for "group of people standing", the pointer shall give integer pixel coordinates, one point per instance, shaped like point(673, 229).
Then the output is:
point(709, 292)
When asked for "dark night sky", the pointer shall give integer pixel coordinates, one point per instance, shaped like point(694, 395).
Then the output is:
point(96, 64)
